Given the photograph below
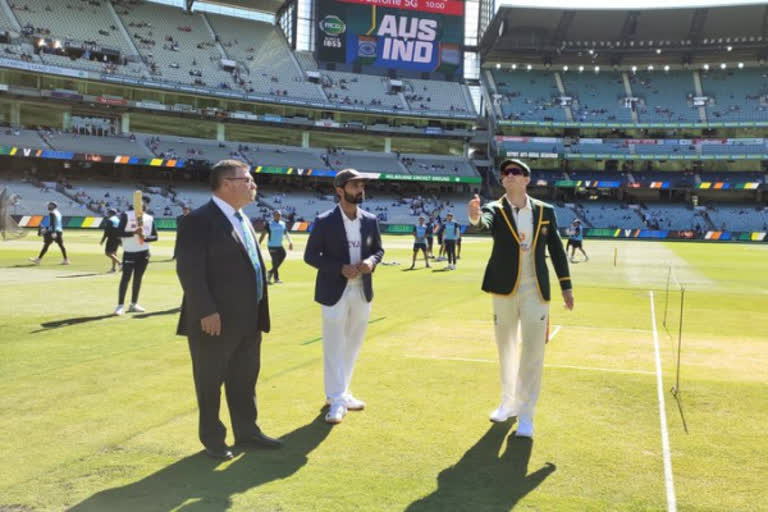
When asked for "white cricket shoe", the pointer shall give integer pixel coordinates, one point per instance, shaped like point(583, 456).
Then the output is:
point(135, 308)
point(336, 414)
point(65, 262)
point(350, 403)
point(119, 310)
point(36, 261)
point(353, 404)
point(502, 414)
point(524, 427)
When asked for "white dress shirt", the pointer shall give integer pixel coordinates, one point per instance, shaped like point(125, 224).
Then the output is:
point(354, 239)
point(523, 222)
point(229, 212)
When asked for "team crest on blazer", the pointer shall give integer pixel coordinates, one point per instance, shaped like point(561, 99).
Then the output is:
point(544, 230)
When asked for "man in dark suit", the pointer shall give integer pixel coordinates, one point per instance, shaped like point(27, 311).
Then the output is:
point(523, 228)
point(184, 212)
point(225, 308)
point(345, 247)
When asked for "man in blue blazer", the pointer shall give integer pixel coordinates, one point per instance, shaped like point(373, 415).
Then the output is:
point(344, 246)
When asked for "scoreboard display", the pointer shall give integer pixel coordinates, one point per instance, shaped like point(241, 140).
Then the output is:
point(414, 35)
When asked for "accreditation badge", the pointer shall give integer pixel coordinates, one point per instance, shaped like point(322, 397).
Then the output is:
point(544, 230)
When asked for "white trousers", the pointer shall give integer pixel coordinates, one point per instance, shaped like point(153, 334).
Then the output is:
point(521, 322)
point(344, 326)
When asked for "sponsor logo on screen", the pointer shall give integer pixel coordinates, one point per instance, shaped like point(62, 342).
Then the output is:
point(332, 25)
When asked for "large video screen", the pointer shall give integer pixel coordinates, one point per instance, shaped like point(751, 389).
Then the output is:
point(414, 35)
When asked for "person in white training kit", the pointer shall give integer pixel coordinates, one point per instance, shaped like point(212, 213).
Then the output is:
point(524, 230)
point(344, 246)
point(135, 255)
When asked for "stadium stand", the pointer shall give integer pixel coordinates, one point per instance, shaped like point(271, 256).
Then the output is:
point(727, 217)
point(354, 89)
point(285, 156)
point(437, 165)
point(665, 96)
point(180, 49)
point(365, 161)
point(306, 61)
point(93, 144)
point(565, 213)
point(34, 198)
point(733, 177)
point(164, 146)
point(6, 23)
point(264, 54)
point(436, 95)
point(529, 95)
point(92, 22)
point(736, 95)
point(597, 97)
point(609, 214)
point(673, 217)
point(22, 138)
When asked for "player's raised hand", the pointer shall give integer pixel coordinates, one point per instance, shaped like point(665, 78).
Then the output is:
point(473, 209)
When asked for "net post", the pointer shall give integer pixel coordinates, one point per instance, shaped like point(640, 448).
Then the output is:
point(666, 296)
point(679, 340)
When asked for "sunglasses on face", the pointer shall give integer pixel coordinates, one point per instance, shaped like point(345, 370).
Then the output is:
point(514, 171)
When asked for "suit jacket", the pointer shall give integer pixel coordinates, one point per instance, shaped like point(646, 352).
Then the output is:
point(217, 276)
point(502, 274)
point(328, 250)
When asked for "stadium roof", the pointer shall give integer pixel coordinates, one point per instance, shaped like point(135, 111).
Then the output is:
point(271, 6)
point(625, 4)
point(538, 35)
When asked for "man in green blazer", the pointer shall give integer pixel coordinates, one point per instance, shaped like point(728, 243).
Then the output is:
point(523, 228)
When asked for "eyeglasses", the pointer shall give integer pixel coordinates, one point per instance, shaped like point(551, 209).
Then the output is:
point(514, 171)
point(249, 180)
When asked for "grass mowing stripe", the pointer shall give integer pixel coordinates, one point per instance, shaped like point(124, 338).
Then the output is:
point(563, 366)
point(668, 478)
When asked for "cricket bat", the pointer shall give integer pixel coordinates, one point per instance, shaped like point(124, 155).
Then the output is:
point(138, 209)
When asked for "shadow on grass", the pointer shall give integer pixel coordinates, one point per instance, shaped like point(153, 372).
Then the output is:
point(55, 324)
point(483, 480)
point(195, 483)
point(70, 276)
point(171, 311)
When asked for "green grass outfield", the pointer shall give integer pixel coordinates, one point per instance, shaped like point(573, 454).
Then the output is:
point(98, 412)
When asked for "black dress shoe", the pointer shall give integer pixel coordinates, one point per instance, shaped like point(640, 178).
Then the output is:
point(222, 453)
point(262, 440)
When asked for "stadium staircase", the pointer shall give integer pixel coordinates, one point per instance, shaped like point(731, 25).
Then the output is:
point(10, 15)
point(561, 88)
point(124, 32)
point(699, 92)
point(468, 100)
point(45, 140)
point(214, 36)
point(628, 92)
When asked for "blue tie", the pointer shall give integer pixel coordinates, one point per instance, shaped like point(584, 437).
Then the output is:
point(250, 245)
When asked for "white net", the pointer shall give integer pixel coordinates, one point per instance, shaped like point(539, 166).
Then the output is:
point(9, 228)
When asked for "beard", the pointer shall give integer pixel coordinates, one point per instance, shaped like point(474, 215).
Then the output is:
point(353, 198)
